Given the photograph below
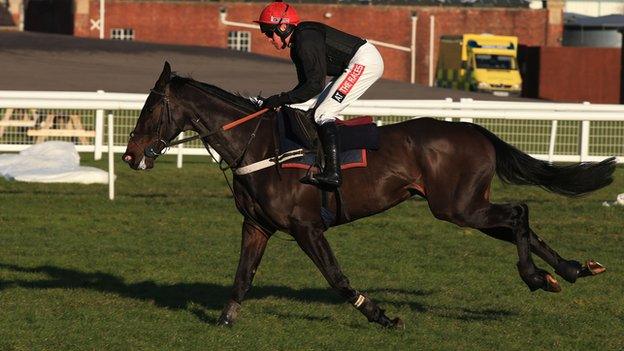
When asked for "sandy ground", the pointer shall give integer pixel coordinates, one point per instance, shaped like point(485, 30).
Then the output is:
point(35, 61)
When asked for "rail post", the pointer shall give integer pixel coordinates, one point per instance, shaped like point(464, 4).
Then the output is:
point(99, 132)
point(180, 153)
point(553, 137)
point(584, 147)
point(111, 159)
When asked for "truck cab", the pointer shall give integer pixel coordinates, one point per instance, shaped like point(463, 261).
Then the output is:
point(479, 62)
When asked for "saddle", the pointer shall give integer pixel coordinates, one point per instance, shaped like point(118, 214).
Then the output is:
point(297, 130)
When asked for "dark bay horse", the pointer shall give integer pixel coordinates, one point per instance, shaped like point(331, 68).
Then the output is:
point(450, 164)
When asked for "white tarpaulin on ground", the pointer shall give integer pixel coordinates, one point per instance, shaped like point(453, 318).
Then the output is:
point(49, 162)
point(619, 201)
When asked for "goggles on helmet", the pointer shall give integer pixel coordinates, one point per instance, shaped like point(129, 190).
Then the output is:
point(267, 29)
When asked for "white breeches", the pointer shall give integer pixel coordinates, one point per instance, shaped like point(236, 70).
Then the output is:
point(364, 69)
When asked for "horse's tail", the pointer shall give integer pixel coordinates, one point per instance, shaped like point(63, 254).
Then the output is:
point(515, 167)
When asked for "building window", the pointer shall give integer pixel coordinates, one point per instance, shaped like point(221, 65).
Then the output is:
point(122, 34)
point(239, 41)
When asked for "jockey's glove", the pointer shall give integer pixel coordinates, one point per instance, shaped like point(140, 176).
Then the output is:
point(275, 101)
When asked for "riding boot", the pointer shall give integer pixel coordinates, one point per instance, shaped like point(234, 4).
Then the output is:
point(330, 177)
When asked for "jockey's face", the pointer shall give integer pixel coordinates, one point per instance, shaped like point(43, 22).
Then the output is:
point(277, 41)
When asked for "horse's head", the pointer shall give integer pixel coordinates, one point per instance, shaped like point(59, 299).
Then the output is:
point(159, 122)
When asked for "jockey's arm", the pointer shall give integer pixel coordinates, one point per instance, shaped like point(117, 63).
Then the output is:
point(308, 54)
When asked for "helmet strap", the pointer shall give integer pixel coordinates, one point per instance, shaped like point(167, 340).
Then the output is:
point(283, 34)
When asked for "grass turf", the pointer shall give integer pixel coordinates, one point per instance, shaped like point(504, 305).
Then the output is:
point(152, 270)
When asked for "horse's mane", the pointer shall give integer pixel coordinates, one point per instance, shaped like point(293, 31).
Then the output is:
point(237, 99)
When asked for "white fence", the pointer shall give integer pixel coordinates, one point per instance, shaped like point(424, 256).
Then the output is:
point(550, 131)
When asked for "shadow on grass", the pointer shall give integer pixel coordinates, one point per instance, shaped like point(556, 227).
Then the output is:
point(199, 297)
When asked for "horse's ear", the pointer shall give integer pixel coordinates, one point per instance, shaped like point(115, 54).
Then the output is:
point(164, 78)
point(167, 68)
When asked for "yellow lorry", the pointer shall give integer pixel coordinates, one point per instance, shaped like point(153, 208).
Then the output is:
point(479, 62)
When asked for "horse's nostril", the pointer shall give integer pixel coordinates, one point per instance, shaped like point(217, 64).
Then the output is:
point(127, 158)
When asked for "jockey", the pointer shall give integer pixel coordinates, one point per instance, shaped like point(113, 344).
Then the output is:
point(318, 51)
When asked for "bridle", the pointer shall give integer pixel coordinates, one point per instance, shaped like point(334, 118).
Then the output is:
point(155, 150)
point(151, 151)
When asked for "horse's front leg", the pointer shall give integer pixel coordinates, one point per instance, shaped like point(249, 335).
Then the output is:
point(252, 247)
point(312, 241)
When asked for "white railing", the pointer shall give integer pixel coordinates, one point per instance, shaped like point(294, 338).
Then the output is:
point(552, 131)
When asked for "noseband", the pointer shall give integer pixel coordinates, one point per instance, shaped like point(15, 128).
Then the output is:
point(151, 150)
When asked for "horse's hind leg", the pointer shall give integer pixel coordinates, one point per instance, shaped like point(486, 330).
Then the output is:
point(516, 218)
point(471, 209)
point(570, 270)
point(537, 246)
point(313, 243)
point(252, 248)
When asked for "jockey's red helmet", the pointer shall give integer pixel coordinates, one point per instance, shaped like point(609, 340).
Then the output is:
point(278, 12)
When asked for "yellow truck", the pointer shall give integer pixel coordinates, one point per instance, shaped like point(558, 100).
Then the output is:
point(479, 62)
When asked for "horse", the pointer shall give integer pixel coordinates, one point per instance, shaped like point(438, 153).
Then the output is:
point(449, 164)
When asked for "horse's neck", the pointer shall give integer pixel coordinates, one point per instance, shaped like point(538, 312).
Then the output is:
point(235, 140)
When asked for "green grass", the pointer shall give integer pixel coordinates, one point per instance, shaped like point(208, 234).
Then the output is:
point(152, 270)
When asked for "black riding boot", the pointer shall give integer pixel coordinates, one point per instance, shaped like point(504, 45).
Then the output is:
point(330, 177)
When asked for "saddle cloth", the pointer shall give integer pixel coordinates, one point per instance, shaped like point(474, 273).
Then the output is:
point(296, 128)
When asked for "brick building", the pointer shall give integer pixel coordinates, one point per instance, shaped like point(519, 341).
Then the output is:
point(199, 23)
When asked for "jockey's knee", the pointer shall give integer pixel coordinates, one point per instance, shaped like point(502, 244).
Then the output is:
point(323, 118)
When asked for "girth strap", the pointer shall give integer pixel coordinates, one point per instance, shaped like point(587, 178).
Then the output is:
point(266, 163)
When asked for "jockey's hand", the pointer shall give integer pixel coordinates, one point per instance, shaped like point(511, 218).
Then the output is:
point(274, 101)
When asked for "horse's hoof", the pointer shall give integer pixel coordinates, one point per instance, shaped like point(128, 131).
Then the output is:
point(572, 270)
point(229, 314)
point(590, 268)
point(552, 285)
point(398, 324)
point(224, 322)
point(540, 279)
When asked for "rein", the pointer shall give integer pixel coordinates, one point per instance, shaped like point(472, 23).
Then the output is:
point(224, 128)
